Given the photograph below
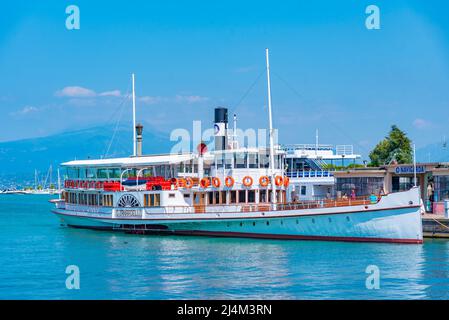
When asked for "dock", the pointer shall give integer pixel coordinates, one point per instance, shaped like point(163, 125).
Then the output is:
point(435, 226)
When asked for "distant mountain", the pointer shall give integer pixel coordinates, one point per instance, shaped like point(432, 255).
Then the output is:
point(20, 158)
point(437, 152)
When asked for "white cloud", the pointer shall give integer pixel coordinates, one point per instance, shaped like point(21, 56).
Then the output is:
point(75, 92)
point(25, 111)
point(112, 93)
point(150, 99)
point(190, 99)
point(421, 123)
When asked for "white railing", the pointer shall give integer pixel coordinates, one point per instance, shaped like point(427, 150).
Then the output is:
point(344, 150)
point(310, 174)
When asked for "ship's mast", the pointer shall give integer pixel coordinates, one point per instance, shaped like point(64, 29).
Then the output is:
point(270, 123)
point(134, 118)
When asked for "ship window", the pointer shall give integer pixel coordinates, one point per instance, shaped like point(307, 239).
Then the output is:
point(233, 197)
point(217, 197)
point(263, 196)
point(251, 196)
point(253, 160)
point(157, 200)
point(145, 200)
point(240, 160)
point(242, 196)
point(187, 195)
point(210, 197)
point(264, 160)
point(303, 190)
point(171, 195)
point(223, 197)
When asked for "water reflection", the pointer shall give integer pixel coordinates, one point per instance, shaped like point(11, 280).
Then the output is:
point(36, 251)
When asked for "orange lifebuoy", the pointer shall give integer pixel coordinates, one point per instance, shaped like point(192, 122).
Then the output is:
point(229, 181)
point(181, 182)
point(264, 181)
point(216, 182)
point(189, 182)
point(278, 180)
point(286, 181)
point(247, 181)
point(205, 182)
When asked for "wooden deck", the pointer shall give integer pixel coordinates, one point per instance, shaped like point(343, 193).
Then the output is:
point(435, 226)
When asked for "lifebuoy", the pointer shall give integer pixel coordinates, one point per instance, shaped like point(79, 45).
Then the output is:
point(216, 182)
point(286, 181)
point(181, 182)
point(278, 180)
point(264, 181)
point(205, 182)
point(189, 182)
point(247, 181)
point(229, 181)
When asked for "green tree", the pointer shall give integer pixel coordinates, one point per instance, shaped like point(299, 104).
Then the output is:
point(395, 147)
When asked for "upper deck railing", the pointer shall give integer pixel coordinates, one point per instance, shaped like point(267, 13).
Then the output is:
point(310, 174)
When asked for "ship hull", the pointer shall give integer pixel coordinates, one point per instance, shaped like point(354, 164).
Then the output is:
point(375, 223)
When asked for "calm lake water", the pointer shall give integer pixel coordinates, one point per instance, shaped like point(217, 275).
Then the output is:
point(35, 251)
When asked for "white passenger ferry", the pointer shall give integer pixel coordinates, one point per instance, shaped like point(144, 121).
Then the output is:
point(229, 191)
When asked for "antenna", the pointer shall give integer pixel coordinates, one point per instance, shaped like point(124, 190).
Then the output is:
point(414, 165)
point(316, 142)
point(134, 117)
point(270, 120)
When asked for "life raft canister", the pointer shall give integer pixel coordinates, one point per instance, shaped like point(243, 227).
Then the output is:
point(216, 182)
point(247, 181)
point(278, 180)
point(286, 181)
point(229, 181)
point(205, 182)
point(264, 181)
point(189, 182)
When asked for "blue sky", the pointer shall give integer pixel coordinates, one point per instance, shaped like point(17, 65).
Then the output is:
point(328, 70)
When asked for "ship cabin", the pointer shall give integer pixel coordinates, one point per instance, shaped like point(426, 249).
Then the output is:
point(234, 179)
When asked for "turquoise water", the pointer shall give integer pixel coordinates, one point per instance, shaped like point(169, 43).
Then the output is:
point(35, 251)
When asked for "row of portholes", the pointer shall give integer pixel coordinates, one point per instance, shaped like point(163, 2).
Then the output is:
point(282, 222)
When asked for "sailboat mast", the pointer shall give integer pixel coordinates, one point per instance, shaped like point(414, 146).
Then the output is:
point(59, 182)
point(134, 118)
point(270, 123)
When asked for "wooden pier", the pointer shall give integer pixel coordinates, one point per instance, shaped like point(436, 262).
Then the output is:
point(435, 226)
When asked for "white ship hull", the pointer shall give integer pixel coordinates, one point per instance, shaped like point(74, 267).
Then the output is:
point(396, 218)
